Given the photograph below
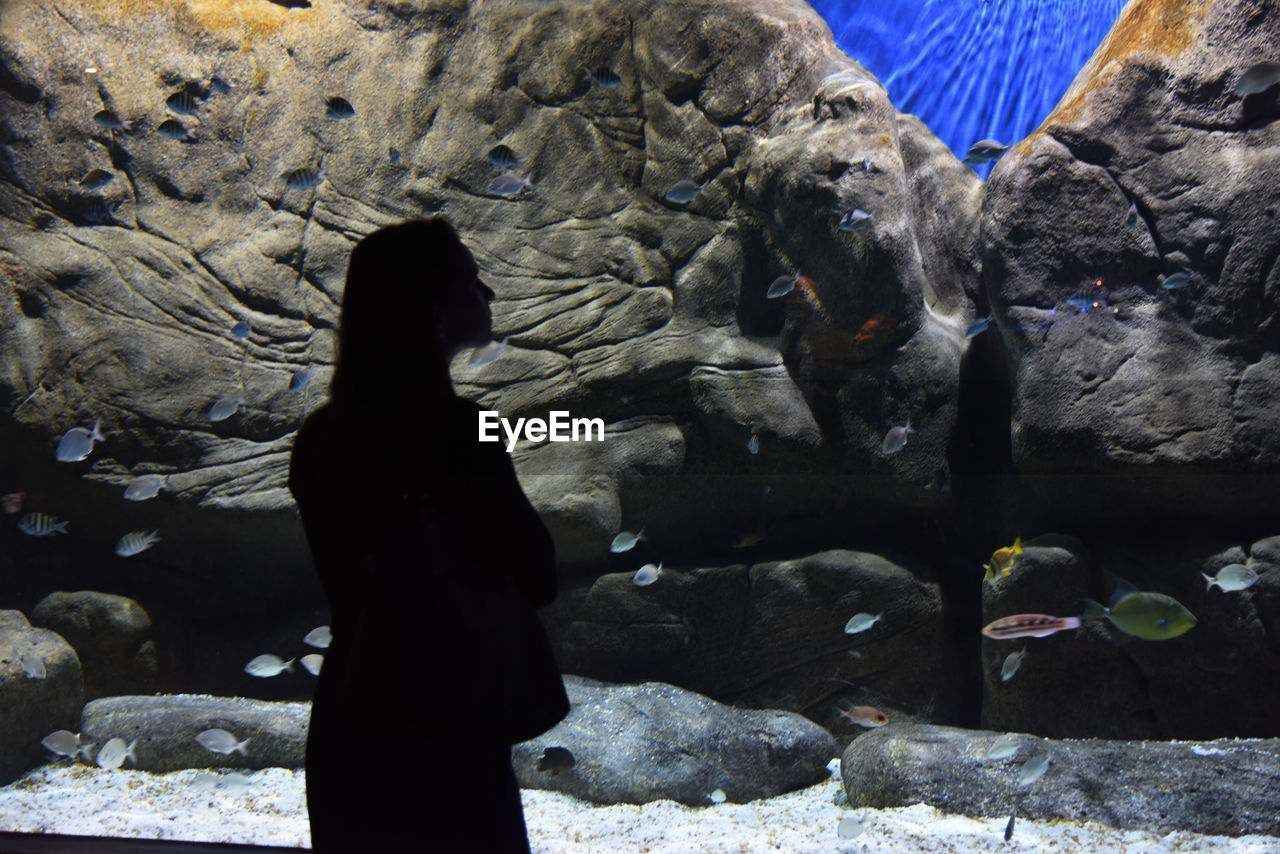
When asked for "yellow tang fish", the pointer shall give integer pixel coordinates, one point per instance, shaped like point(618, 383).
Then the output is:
point(1002, 560)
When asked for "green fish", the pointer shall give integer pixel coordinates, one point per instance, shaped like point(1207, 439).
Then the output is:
point(1150, 616)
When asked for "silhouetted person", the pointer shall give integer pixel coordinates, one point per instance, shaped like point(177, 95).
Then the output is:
point(432, 560)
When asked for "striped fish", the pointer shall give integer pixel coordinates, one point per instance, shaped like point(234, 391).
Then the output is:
point(1029, 626)
point(41, 525)
point(136, 542)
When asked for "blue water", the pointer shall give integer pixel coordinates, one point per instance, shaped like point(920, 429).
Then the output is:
point(972, 69)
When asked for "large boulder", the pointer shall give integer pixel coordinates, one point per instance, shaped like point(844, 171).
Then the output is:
point(111, 637)
point(638, 743)
point(1147, 398)
point(33, 705)
point(1222, 787)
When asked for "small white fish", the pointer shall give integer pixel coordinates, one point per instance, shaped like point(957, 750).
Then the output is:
point(896, 439)
point(849, 827)
point(144, 487)
point(684, 191)
point(241, 330)
point(114, 753)
point(861, 622)
point(487, 354)
point(753, 444)
point(647, 574)
point(205, 781)
point(77, 443)
point(1258, 78)
point(234, 784)
point(221, 741)
point(224, 407)
point(1230, 578)
point(1003, 747)
point(320, 637)
point(977, 327)
point(625, 541)
point(265, 666)
point(855, 220)
point(312, 663)
point(1177, 280)
point(509, 184)
point(136, 542)
point(1011, 664)
point(66, 743)
point(33, 666)
point(1033, 769)
point(717, 797)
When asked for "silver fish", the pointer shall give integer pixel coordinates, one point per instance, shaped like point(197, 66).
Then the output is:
point(265, 666)
point(41, 525)
point(1033, 769)
point(224, 407)
point(240, 331)
point(647, 574)
point(144, 487)
point(684, 191)
point(114, 753)
point(136, 542)
point(1259, 78)
point(855, 220)
point(312, 663)
point(1177, 280)
point(717, 796)
point(1008, 828)
point(753, 444)
point(782, 286)
point(1131, 218)
point(97, 179)
point(234, 783)
point(393, 155)
point(849, 827)
point(984, 151)
point(487, 354)
point(221, 741)
point(896, 439)
point(1003, 747)
point(33, 666)
point(66, 743)
point(1011, 664)
point(339, 108)
point(509, 184)
point(977, 327)
point(77, 443)
point(320, 637)
point(625, 541)
point(861, 622)
point(1232, 577)
point(605, 78)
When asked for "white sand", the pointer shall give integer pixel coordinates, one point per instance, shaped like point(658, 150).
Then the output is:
point(87, 800)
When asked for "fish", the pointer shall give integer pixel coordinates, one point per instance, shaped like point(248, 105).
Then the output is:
point(861, 622)
point(77, 443)
point(298, 379)
point(896, 439)
point(320, 637)
point(234, 783)
point(12, 502)
point(867, 166)
point(33, 666)
point(855, 220)
point(219, 86)
point(221, 741)
point(984, 151)
point(99, 211)
point(782, 286)
point(181, 103)
point(1012, 662)
point(1033, 769)
point(1003, 747)
point(1131, 218)
point(66, 743)
point(393, 155)
point(849, 827)
point(1177, 280)
point(240, 331)
point(1002, 560)
point(312, 663)
point(224, 407)
point(136, 542)
point(174, 129)
point(114, 753)
point(97, 179)
point(266, 666)
point(1230, 578)
point(144, 487)
point(302, 178)
point(717, 796)
point(647, 574)
point(1150, 616)
point(487, 354)
point(1028, 626)
point(107, 120)
point(1258, 78)
point(41, 525)
point(338, 108)
point(684, 191)
point(625, 541)
point(864, 716)
point(977, 327)
point(1008, 828)
point(504, 158)
point(603, 77)
point(509, 184)
point(555, 760)
point(753, 443)
point(750, 538)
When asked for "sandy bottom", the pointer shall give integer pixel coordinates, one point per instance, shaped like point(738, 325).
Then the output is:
point(269, 808)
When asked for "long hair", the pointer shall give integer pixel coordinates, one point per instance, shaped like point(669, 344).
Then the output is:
point(389, 344)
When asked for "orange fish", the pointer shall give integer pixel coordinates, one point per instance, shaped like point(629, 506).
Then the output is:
point(1028, 626)
point(864, 716)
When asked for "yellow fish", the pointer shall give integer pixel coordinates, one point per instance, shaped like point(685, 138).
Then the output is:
point(1002, 560)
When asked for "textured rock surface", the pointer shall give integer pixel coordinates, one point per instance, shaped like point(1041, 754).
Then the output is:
point(110, 635)
point(769, 636)
point(32, 708)
point(166, 727)
point(1221, 787)
point(1160, 400)
point(638, 743)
